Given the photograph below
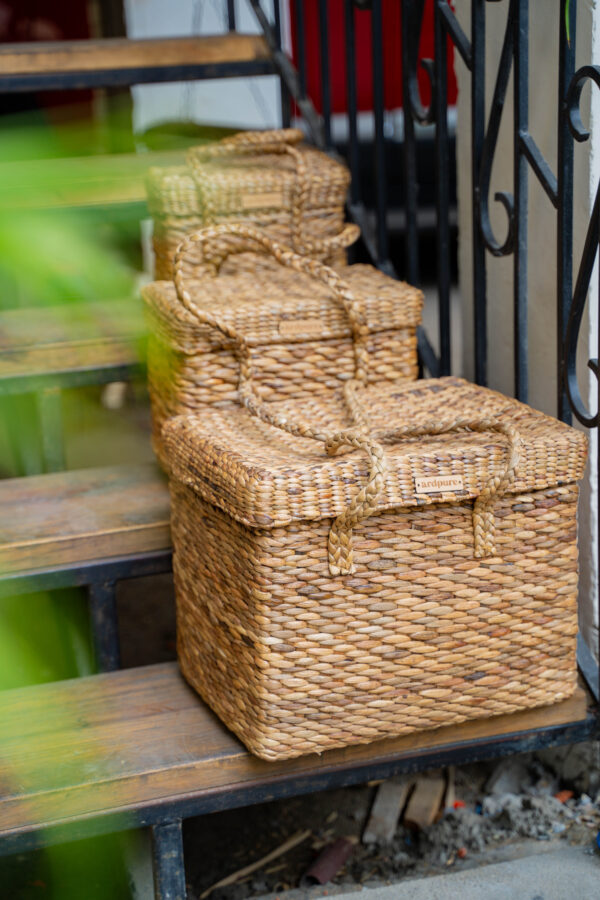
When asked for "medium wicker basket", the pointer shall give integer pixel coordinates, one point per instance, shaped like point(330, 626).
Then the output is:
point(425, 575)
point(295, 326)
point(293, 192)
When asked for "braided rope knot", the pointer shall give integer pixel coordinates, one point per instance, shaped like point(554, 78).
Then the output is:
point(365, 501)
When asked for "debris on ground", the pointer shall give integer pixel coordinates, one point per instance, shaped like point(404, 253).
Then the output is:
point(577, 765)
point(261, 863)
point(390, 800)
point(563, 796)
point(450, 794)
point(329, 862)
point(425, 801)
point(381, 832)
point(509, 777)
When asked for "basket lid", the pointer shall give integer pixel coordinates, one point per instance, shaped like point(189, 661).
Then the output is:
point(270, 304)
point(265, 181)
point(265, 477)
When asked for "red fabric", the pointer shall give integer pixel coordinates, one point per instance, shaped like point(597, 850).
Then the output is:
point(392, 57)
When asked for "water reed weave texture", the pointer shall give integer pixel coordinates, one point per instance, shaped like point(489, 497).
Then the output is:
point(294, 193)
point(418, 631)
point(291, 317)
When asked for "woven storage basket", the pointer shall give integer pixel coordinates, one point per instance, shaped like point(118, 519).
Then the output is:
point(425, 577)
point(299, 336)
point(293, 192)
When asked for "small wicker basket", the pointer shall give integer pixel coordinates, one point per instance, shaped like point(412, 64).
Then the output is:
point(296, 329)
point(424, 576)
point(293, 192)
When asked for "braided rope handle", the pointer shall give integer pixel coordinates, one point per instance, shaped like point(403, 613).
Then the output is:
point(267, 142)
point(483, 515)
point(339, 548)
point(362, 505)
point(247, 238)
point(271, 139)
point(340, 537)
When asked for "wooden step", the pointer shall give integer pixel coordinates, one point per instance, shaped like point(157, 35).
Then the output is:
point(86, 181)
point(75, 343)
point(141, 739)
point(65, 519)
point(111, 61)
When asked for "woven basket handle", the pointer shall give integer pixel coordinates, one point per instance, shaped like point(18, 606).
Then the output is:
point(483, 516)
point(340, 536)
point(270, 141)
point(267, 142)
point(365, 502)
point(483, 519)
point(221, 241)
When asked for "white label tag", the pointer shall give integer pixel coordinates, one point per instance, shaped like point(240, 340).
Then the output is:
point(437, 484)
point(266, 200)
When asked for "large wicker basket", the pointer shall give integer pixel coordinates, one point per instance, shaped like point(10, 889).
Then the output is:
point(292, 320)
point(293, 192)
point(426, 577)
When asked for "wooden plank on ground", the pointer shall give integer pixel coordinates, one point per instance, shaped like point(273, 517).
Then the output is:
point(69, 338)
point(450, 792)
point(117, 741)
point(387, 807)
point(71, 517)
point(122, 53)
point(424, 803)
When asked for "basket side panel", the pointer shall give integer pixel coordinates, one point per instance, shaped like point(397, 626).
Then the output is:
point(422, 635)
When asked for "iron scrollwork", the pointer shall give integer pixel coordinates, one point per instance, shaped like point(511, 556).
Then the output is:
point(496, 247)
point(581, 133)
point(413, 22)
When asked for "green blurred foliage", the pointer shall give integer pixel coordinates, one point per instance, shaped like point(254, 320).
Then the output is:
point(90, 869)
point(50, 251)
point(51, 256)
point(59, 257)
point(60, 244)
point(44, 637)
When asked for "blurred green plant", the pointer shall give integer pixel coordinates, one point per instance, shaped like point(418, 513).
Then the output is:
point(93, 868)
point(51, 255)
point(58, 257)
point(69, 235)
point(45, 637)
point(59, 245)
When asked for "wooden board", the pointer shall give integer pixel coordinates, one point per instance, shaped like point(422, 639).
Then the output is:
point(450, 792)
point(70, 338)
point(389, 803)
point(117, 741)
point(88, 514)
point(122, 53)
point(424, 803)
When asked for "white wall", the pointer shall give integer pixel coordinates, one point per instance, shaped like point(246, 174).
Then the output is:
point(243, 102)
point(541, 236)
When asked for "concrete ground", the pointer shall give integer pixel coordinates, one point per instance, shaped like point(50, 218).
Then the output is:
point(570, 873)
point(563, 873)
